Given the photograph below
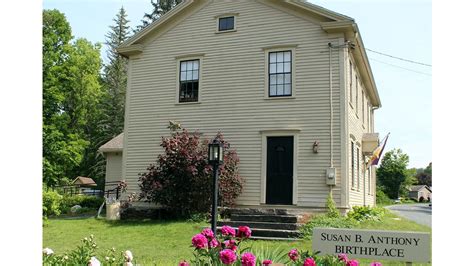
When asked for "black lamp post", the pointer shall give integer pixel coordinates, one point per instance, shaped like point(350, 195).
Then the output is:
point(216, 154)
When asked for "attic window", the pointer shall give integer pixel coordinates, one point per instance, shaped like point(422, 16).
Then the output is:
point(226, 23)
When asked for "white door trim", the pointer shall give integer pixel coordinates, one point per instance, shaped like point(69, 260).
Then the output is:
point(263, 179)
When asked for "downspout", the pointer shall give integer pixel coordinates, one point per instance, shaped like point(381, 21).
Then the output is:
point(330, 115)
point(330, 106)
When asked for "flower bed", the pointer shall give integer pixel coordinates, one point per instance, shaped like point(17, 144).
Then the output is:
point(225, 248)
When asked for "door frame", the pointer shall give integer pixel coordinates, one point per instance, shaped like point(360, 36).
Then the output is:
point(293, 132)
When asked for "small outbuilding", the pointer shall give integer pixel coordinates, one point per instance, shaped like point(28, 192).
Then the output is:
point(420, 193)
point(83, 181)
point(112, 151)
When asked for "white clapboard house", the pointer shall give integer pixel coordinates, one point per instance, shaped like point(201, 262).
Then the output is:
point(287, 82)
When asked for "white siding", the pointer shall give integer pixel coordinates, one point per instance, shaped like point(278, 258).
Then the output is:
point(357, 127)
point(113, 168)
point(232, 94)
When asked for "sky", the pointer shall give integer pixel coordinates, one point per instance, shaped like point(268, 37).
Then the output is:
point(399, 28)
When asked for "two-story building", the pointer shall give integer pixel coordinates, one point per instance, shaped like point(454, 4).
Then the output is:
point(287, 82)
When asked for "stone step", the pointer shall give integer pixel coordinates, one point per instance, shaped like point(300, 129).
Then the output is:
point(260, 225)
point(264, 218)
point(275, 233)
point(267, 238)
point(261, 211)
point(271, 233)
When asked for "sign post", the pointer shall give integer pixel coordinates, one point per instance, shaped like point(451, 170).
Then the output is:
point(386, 245)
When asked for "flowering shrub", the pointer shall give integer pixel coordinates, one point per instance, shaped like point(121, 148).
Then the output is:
point(228, 251)
point(181, 179)
point(210, 250)
point(87, 254)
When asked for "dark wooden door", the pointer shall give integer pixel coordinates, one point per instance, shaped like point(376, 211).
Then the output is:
point(279, 170)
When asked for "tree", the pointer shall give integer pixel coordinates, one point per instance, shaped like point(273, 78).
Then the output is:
point(393, 176)
point(160, 7)
point(424, 177)
point(115, 77)
point(71, 92)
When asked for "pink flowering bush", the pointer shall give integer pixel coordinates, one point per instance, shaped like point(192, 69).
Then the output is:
point(225, 248)
point(248, 259)
point(227, 231)
point(181, 178)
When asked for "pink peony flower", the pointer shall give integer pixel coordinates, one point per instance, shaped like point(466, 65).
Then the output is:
point(213, 243)
point(352, 263)
point(199, 241)
point(343, 257)
point(230, 244)
point(267, 262)
point(309, 262)
point(293, 254)
point(244, 232)
point(227, 231)
point(375, 263)
point(227, 256)
point(248, 259)
point(183, 263)
point(208, 233)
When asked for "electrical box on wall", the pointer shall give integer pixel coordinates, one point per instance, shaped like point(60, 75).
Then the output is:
point(331, 176)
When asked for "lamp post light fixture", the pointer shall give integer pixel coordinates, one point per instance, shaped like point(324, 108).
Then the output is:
point(215, 157)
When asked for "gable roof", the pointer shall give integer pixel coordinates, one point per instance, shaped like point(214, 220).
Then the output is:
point(82, 180)
point(113, 145)
point(333, 23)
point(419, 187)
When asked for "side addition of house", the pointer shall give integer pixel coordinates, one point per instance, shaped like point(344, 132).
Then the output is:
point(287, 82)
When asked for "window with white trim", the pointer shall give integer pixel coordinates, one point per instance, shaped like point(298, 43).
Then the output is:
point(363, 108)
point(189, 81)
point(353, 162)
point(358, 169)
point(279, 73)
point(227, 23)
point(350, 82)
point(357, 95)
point(369, 181)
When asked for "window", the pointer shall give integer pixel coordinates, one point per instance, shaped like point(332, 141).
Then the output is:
point(357, 95)
point(226, 23)
point(279, 66)
point(368, 116)
point(350, 81)
point(363, 108)
point(369, 190)
point(358, 169)
point(189, 81)
point(353, 165)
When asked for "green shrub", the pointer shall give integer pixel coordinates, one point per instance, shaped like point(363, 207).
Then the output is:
point(84, 201)
point(333, 212)
point(51, 203)
point(363, 213)
point(306, 231)
point(382, 198)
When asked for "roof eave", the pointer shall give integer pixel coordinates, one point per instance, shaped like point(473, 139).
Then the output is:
point(106, 150)
point(351, 32)
point(126, 49)
point(321, 10)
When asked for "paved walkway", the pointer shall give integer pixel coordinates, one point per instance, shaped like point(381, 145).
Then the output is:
point(419, 213)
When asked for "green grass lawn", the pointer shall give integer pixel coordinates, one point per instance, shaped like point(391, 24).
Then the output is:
point(166, 243)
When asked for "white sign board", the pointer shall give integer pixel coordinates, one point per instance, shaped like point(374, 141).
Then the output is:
point(386, 245)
